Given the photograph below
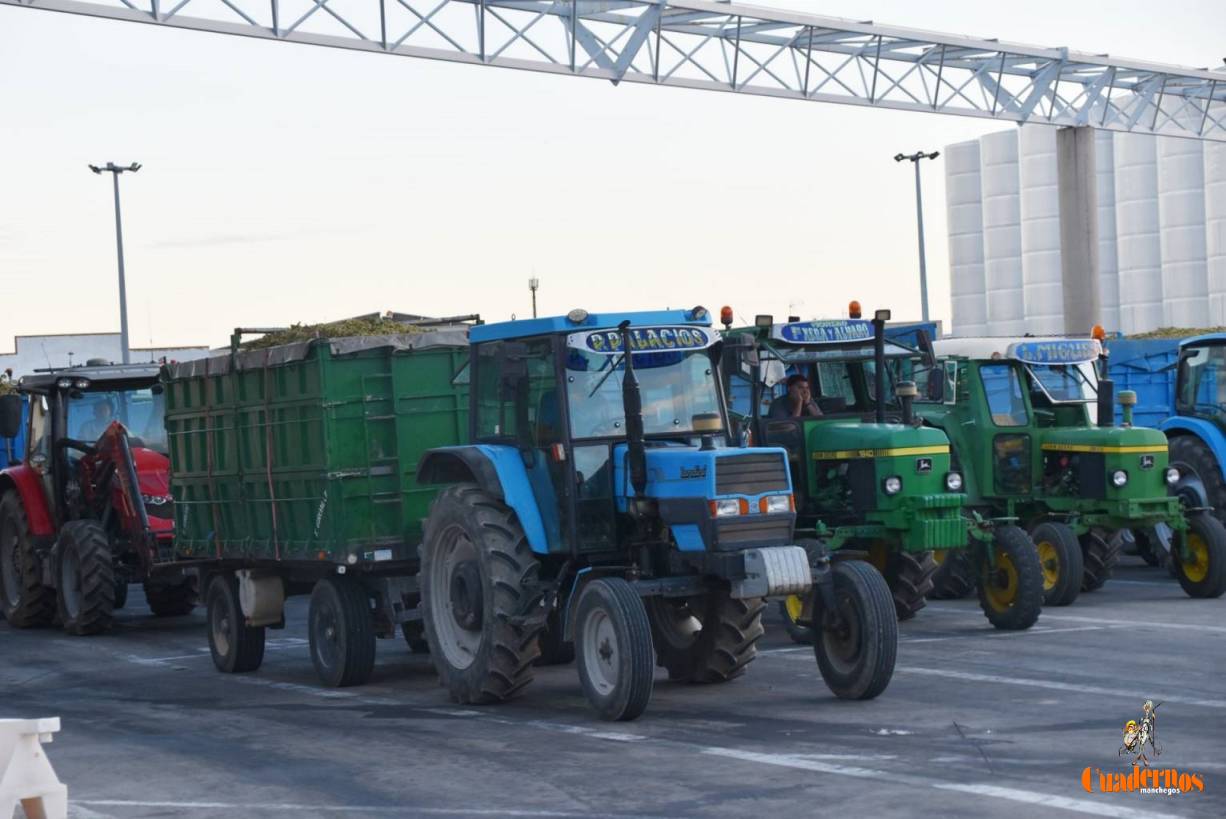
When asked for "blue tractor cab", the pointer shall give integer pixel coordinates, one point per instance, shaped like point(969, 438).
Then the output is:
point(602, 512)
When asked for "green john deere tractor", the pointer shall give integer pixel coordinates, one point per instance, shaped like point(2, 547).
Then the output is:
point(1034, 435)
point(871, 481)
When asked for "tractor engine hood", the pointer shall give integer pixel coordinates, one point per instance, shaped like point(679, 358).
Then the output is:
point(153, 481)
point(1113, 442)
point(1082, 462)
point(847, 440)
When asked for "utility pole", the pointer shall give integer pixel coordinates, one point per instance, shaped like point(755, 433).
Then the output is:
point(533, 284)
point(919, 218)
point(115, 171)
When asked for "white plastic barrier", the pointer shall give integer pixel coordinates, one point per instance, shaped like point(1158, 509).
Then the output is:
point(26, 775)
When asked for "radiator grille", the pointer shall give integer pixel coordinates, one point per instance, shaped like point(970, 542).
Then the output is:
point(751, 474)
point(754, 530)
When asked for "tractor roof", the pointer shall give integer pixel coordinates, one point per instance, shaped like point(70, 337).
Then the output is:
point(1206, 338)
point(580, 320)
point(94, 373)
point(1028, 349)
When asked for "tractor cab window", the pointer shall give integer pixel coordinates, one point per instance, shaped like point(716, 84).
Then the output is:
point(1064, 383)
point(1003, 390)
point(1202, 381)
point(141, 411)
point(835, 390)
point(516, 392)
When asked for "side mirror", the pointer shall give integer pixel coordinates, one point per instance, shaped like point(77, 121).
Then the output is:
point(928, 353)
point(10, 415)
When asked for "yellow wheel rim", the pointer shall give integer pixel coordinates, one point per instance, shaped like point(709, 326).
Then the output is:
point(879, 555)
point(939, 555)
point(794, 605)
point(1049, 559)
point(1000, 583)
point(1196, 568)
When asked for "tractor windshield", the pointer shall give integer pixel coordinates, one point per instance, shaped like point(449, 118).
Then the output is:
point(140, 410)
point(1066, 383)
point(1202, 381)
point(675, 385)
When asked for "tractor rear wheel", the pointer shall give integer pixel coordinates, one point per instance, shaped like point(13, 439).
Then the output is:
point(24, 600)
point(709, 638)
point(1098, 557)
point(613, 642)
point(341, 632)
point(909, 576)
point(477, 573)
point(170, 599)
point(85, 574)
point(1203, 575)
point(1190, 456)
point(789, 609)
point(1061, 562)
point(856, 645)
point(955, 575)
point(236, 647)
point(1011, 587)
point(1147, 549)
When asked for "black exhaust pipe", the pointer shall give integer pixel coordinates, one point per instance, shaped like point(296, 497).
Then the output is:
point(1106, 403)
point(879, 319)
point(632, 407)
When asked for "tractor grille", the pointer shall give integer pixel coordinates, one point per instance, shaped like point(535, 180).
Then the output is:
point(753, 530)
point(751, 474)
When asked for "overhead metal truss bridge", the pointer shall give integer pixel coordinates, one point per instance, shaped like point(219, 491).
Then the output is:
point(721, 46)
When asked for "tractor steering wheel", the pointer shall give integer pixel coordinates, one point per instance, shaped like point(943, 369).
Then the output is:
point(73, 443)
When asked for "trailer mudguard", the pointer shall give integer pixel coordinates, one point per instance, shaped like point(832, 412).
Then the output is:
point(28, 485)
point(1205, 430)
point(498, 470)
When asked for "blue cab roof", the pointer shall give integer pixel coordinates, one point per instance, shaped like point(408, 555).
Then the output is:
point(1207, 338)
point(595, 321)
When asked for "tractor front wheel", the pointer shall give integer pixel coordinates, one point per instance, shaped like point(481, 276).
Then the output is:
point(341, 632)
point(1061, 562)
point(856, 644)
point(1098, 557)
point(478, 575)
point(236, 647)
point(789, 609)
point(85, 572)
point(705, 639)
point(955, 575)
point(1203, 574)
point(613, 648)
point(1011, 585)
point(24, 601)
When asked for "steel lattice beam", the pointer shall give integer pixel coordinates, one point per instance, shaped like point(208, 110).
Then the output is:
point(720, 46)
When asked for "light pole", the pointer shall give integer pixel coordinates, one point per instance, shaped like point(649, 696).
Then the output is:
point(534, 283)
point(919, 218)
point(115, 171)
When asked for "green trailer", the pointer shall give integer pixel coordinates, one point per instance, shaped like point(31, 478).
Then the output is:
point(294, 471)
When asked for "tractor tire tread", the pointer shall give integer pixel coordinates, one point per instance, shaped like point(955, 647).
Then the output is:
point(36, 604)
point(96, 610)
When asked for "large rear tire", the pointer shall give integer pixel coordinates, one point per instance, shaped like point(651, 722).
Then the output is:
point(613, 648)
point(955, 575)
point(85, 574)
point(477, 573)
point(236, 647)
point(856, 646)
point(705, 639)
point(1060, 561)
point(1098, 558)
point(1011, 588)
point(1147, 549)
point(1189, 454)
point(909, 576)
point(171, 599)
point(341, 632)
point(1204, 575)
point(24, 600)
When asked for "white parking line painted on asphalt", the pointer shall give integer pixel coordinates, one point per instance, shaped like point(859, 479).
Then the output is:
point(993, 635)
point(1056, 685)
point(995, 791)
point(1106, 621)
point(290, 807)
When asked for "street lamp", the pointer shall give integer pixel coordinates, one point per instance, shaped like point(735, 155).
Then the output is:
point(115, 171)
point(533, 284)
point(919, 218)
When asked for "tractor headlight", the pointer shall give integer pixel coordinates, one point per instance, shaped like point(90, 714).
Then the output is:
point(1172, 476)
point(726, 508)
point(953, 482)
point(63, 383)
point(892, 485)
point(774, 504)
point(81, 383)
point(1120, 478)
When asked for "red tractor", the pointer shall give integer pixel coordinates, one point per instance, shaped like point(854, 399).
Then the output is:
point(88, 509)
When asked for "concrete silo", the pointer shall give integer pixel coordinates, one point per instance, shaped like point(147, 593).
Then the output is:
point(1215, 230)
point(1181, 219)
point(964, 205)
point(1137, 243)
point(1002, 235)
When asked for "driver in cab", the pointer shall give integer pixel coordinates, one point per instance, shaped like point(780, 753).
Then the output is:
point(92, 429)
point(797, 402)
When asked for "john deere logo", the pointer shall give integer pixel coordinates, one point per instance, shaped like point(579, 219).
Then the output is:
point(923, 465)
point(1147, 461)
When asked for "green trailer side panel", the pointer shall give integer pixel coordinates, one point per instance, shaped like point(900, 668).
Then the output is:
point(311, 456)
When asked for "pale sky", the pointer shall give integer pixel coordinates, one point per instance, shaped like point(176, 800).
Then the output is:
point(291, 183)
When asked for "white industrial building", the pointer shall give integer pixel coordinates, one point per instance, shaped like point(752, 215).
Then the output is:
point(36, 352)
point(1161, 234)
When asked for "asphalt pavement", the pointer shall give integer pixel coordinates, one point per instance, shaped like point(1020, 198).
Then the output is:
point(975, 723)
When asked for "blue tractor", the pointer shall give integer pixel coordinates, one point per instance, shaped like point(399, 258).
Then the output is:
point(601, 512)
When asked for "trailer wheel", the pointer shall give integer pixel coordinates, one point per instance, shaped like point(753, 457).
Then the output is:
point(24, 600)
point(341, 632)
point(1189, 454)
point(1099, 557)
point(1204, 574)
point(1011, 588)
point(477, 573)
point(709, 638)
point(613, 648)
point(1060, 560)
point(170, 599)
point(85, 574)
point(856, 645)
point(955, 575)
point(555, 648)
point(236, 647)
point(415, 637)
point(789, 609)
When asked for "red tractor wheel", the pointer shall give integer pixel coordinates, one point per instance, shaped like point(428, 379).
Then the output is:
point(24, 600)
